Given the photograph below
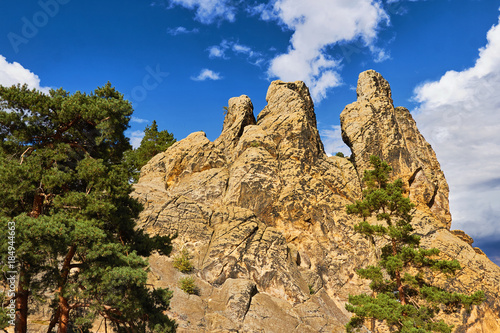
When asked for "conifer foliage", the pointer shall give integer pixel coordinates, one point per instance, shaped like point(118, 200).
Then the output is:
point(65, 186)
point(152, 143)
point(402, 298)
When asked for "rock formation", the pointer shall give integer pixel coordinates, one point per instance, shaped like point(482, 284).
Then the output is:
point(372, 126)
point(261, 210)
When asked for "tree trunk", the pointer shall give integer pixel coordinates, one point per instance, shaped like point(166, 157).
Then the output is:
point(63, 314)
point(37, 205)
point(399, 284)
point(53, 321)
point(24, 279)
point(63, 302)
point(401, 291)
point(22, 302)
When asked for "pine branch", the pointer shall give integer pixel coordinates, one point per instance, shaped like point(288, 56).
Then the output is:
point(27, 151)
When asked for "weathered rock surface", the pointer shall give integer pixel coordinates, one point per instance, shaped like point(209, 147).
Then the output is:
point(373, 126)
point(261, 210)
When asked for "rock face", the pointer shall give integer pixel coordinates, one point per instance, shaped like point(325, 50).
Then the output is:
point(372, 126)
point(261, 210)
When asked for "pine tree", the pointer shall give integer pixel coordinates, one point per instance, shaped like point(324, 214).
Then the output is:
point(402, 297)
point(153, 142)
point(64, 185)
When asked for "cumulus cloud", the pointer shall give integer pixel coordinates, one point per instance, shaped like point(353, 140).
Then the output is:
point(318, 25)
point(460, 116)
point(208, 11)
point(13, 73)
point(206, 74)
point(181, 31)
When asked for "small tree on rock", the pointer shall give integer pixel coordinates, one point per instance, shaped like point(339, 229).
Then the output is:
point(402, 297)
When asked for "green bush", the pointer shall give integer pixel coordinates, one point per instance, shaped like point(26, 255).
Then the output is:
point(182, 262)
point(187, 285)
point(311, 289)
point(255, 144)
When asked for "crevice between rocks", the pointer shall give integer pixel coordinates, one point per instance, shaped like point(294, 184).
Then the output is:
point(250, 235)
point(208, 247)
point(253, 292)
point(431, 202)
point(413, 176)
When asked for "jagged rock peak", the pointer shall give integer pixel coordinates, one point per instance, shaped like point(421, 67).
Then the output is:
point(299, 87)
point(286, 126)
point(239, 114)
point(290, 120)
point(291, 96)
point(373, 126)
point(371, 85)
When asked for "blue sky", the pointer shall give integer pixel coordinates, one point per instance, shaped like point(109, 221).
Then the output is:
point(179, 61)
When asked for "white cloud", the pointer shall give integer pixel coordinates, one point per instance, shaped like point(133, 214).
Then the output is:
point(181, 31)
point(136, 138)
point(216, 52)
point(460, 116)
point(332, 140)
point(318, 25)
point(14, 73)
point(379, 54)
point(264, 10)
point(138, 120)
point(253, 57)
point(238, 48)
point(208, 11)
point(207, 74)
point(221, 50)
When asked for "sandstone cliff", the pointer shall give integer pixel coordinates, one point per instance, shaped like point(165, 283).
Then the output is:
point(261, 210)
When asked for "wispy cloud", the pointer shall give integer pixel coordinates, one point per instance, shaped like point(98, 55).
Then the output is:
point(181, 31)
point(138, 120)
point(221, 51)
point(13, 73)
point(459, 115)
point(238, 48)
point(207, 74)
point(209, 11)
point(318, 25)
